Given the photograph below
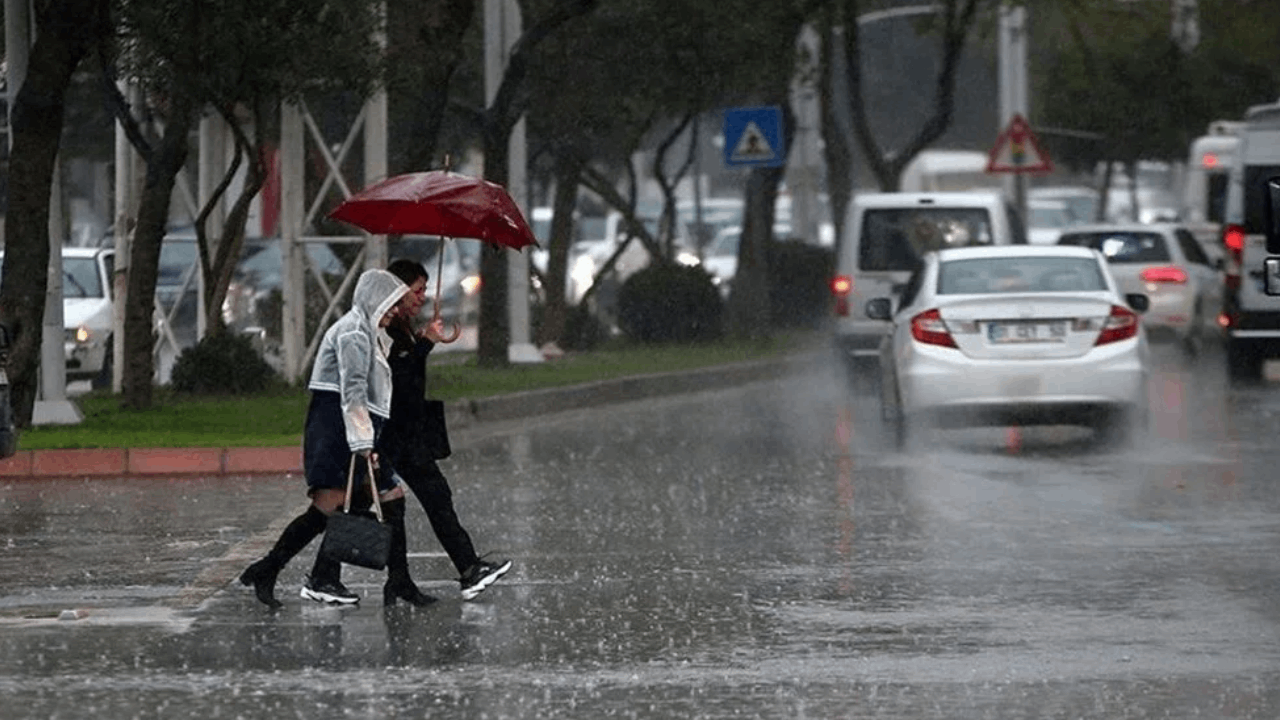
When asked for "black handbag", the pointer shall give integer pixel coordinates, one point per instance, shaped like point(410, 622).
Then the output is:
point(436, 434)
point(358, 539)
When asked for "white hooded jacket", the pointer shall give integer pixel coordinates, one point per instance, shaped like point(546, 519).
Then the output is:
point(352, 358)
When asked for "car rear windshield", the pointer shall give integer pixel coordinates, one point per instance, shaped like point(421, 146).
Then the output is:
point(1122, 247)
point(1019, 275)
point(896, 238)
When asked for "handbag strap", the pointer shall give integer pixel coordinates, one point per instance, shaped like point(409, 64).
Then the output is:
point(373, 487)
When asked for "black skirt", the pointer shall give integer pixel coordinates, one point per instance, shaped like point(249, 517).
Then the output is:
point(325, 452)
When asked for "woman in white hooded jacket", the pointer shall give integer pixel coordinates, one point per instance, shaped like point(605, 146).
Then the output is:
point(350, 398)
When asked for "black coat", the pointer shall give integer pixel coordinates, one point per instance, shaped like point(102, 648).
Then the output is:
point(404, 432)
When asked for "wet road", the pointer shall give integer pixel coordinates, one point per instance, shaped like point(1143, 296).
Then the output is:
point(757, 552)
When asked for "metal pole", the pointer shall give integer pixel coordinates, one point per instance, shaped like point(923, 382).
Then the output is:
point(126, 204)
point(375, 151)
point(502, 27)
point(292, 209)
point(1013, 88)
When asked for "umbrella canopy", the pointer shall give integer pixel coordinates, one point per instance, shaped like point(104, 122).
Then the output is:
point(438, 203)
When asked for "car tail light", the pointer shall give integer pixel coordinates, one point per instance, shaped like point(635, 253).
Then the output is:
point(841, 286)
point(1121, 324)
point(929, 328)
point(1233, 240)
point(1166, 274)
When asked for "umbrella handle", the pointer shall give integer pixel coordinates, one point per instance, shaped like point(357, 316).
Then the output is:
point(457, 328)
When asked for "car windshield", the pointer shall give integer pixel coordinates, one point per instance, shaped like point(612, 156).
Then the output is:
point(80, 278)
point(1123, 247)
point(1019, 275)
point(896, 238)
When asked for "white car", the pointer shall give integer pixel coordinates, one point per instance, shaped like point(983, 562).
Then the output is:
point(87, 315)
point(720, 259)
point(1166, 263)
point(1013, 335)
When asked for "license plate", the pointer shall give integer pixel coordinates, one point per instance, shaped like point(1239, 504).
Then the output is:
point(1045, 331)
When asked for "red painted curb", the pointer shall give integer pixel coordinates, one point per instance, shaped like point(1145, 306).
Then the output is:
point(151, 462)
point(245, 461)
point(87, 462)
point(174, 461)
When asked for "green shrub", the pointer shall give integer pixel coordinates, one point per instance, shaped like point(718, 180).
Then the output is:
point(670, 303)
point(222, 364)
point(799, 274)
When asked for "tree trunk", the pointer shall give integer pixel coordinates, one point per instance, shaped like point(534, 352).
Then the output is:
point(66, 32)
point(749, 298)
point(430, 36)
point(494, 331)
point(144, 256)
point(554, 311)
point(836, 149)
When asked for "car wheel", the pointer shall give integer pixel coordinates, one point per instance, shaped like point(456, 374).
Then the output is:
point(895, 421)
point(1244, 362)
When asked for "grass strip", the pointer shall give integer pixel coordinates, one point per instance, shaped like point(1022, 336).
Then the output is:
point(275, 419)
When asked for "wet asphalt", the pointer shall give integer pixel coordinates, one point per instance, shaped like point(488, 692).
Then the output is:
point(756, 551)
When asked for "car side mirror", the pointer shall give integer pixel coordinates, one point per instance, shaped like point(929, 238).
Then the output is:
point(1138, 302)
point(880, 308)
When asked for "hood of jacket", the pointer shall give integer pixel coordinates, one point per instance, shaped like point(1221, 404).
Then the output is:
point(377, 291)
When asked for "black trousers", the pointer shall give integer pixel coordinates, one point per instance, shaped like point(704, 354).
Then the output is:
point(429, 485)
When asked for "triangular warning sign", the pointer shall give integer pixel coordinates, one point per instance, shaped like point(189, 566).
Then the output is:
point(1017, 150)
point(752, 146)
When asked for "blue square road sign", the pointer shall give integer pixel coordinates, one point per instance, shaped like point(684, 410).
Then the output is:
point(753, 136)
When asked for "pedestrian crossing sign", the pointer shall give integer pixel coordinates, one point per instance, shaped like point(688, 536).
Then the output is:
point(753, 136)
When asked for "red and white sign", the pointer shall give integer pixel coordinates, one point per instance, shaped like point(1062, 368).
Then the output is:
point(1017, 150)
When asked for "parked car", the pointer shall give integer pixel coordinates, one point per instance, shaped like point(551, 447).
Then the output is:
point(885, 236)
point(1166, 263)
point(1013, 335)
point(88, 319)
point(720, 259)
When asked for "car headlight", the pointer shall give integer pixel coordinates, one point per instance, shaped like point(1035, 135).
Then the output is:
point(684, 257)
point(79, 334)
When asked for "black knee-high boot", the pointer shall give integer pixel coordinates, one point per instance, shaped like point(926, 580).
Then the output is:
point(262, 574)
point(399, 585)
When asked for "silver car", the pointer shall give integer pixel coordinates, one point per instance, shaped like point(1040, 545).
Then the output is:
point(1167, 264)
point(1014, 335)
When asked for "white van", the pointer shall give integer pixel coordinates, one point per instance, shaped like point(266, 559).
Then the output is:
point(1204, 190)
point(948, 171)
point(883, 239)
point(1252, 317)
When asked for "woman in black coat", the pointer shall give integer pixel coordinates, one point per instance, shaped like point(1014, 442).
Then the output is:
point(407, 431)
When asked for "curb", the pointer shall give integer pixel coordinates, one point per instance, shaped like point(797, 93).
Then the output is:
point(106, 463)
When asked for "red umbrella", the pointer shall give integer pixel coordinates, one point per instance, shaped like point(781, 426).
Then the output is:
point(441, 203)
point(438, 203)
